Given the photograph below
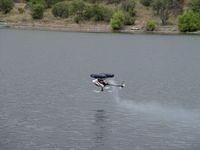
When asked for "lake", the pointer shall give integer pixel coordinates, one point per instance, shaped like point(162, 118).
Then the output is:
point(48, 102)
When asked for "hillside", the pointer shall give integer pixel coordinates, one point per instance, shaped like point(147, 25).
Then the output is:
point(21, 17)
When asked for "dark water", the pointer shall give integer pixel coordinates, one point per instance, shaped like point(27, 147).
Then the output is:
point(47, 101)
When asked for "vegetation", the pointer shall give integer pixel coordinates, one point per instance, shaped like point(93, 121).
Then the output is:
point(164, 8)
point(117, 13)
point(50, 3)
point(189, 21)
point(146, 2)
point(37, 11)
point(61, 9)
point(195, 5)
point(117, 20)
point(31, 3)
point(128, 19)
point(150, 25)
point(6, 6)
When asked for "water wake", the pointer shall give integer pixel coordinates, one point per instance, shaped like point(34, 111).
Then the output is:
point(156, 109)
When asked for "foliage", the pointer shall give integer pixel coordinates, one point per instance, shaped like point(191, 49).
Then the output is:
point(195, 5)
point(189, 21)
point(61, 9)
point(117, 20)
point(98, 12)
point(31, 3)
point(50, 3)
point(146, 2)
point(37, 11)
point(128, 19)
point(77, 7)
point(6, 6)
point(105, 1)
point(128, 6)
point(77, 18)
point(163, 8)
point(21, 10)
point(150, 25)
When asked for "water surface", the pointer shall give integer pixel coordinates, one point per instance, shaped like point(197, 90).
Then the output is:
point(47, 101)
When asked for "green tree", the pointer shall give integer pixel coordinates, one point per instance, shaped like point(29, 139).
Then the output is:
point(117, 20)
point(189, 21)
point(6, 6)
point(37, 11)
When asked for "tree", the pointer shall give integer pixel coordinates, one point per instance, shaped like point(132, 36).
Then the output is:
point(6, 6)
point(163, 8)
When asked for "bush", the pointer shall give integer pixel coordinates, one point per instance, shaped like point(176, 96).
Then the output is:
point(61, 9)
point(37, 11)
point(150, 25)
point(98, 12)
point(21, 10)
point(31, 3)
point(6, 6)
point(128, 6)
point(128, 19)
point(117, 20)
point(77, 7)
point(195, 5)
point(77, 18)
point(146, 2)
point(189, 21)
point(50, 3)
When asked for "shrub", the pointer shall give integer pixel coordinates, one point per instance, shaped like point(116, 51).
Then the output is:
point(77, 7)
point(61, 9)
point(128, 6)
point(98, 12)
point(150, 25)
point(146, 2)
point(37, 11)
point(21, 10)
point(6, 6)
point(31, 3)
point(50, 3)
point(77, 18)
point(189, 21)
point(195, 5)
point(117, 20)
point(128, 19)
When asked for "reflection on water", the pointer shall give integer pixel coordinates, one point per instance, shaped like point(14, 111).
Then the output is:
point(101, 127)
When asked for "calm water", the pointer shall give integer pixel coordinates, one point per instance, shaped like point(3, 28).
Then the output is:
point(47, 100)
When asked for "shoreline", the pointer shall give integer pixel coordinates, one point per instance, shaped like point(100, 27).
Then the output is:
point(93, 28)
